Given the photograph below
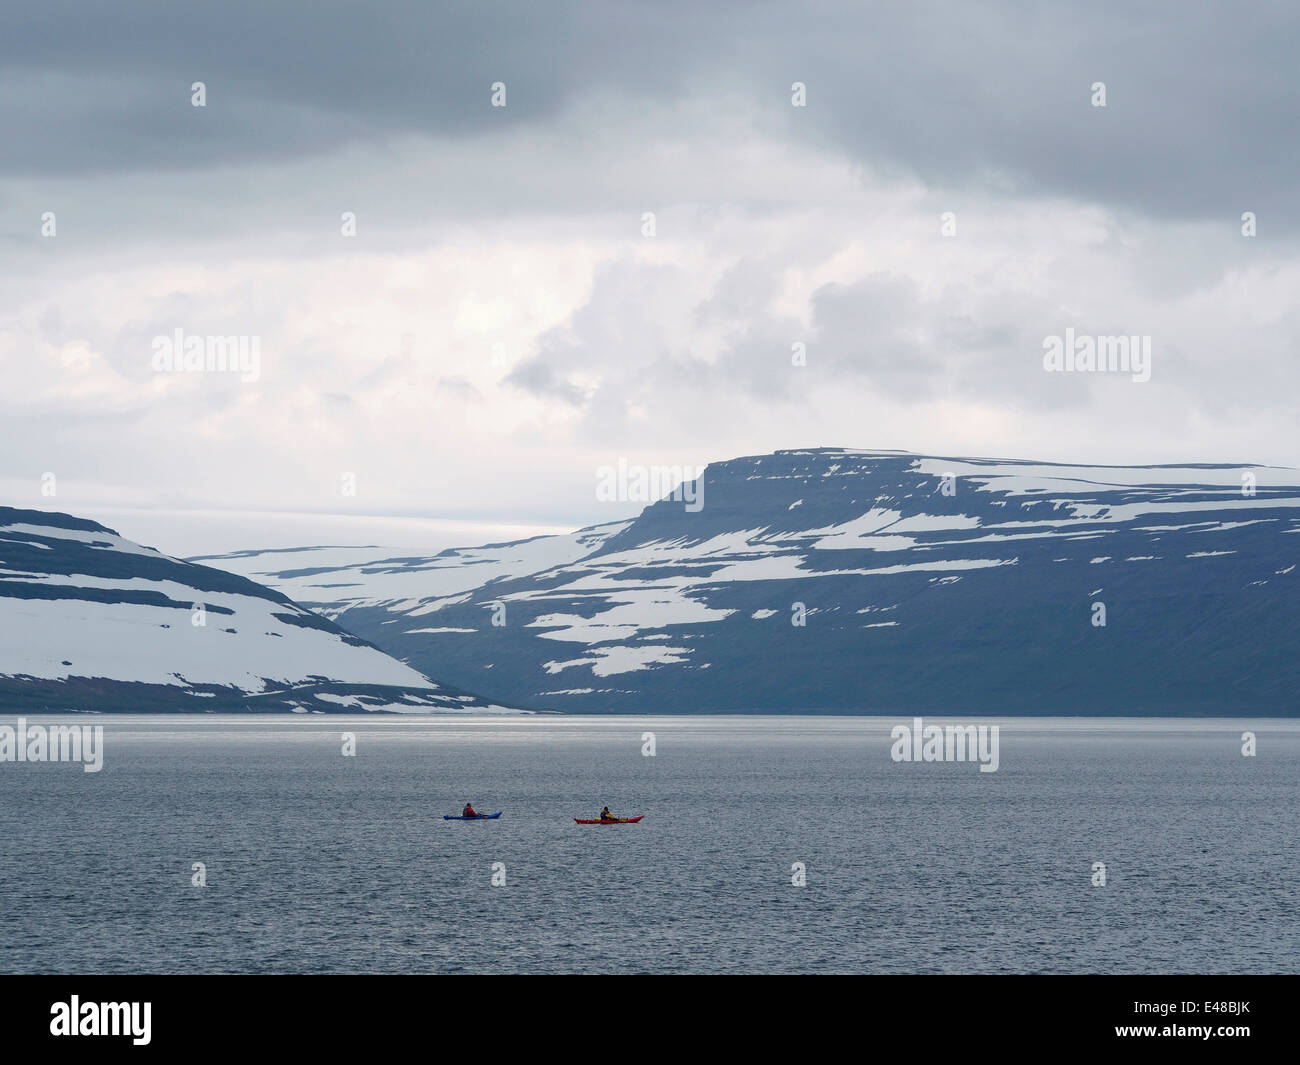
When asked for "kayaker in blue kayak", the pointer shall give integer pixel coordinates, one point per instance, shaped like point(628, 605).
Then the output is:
point(605, 815)
point(469, 810)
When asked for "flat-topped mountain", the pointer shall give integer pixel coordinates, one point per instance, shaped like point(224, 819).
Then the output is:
point(849, 581)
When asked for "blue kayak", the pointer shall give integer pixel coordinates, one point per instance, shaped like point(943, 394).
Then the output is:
point(481, 817)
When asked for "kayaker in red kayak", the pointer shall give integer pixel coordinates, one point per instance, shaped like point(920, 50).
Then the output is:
point(605, 815)
point(469, 810)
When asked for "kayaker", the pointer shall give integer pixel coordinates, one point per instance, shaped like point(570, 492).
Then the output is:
point(605, 815)
point(469, 810)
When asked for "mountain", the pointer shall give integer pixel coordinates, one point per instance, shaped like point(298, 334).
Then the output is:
point(334, 579)
point(924, 584)
point(92, 621)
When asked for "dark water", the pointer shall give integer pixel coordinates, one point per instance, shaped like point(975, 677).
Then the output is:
point(323, 863)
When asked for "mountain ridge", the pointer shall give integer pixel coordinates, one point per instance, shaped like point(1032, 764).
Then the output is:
point(850, 580)
point(91, 621)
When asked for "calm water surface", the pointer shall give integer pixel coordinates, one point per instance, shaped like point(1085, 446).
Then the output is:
point(322, 863)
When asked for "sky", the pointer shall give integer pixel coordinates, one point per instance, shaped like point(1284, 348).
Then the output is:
point(694, 231)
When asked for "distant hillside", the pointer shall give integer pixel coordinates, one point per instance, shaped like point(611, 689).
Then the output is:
point(91, 621)
point(977, 598)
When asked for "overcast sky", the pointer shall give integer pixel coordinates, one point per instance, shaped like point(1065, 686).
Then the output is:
point(501, 325)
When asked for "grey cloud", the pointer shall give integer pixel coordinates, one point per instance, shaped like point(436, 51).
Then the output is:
point(93, 87)
point(999, 93)
point(535, 376)
point(872, 328)
point(1201, 98)
point(881, 336)
point(459, 389)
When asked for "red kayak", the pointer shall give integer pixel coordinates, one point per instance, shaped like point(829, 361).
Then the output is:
point(615, 821)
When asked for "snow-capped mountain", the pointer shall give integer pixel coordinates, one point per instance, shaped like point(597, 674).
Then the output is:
point(91, 621)
point(334, 579)
point(866, 581)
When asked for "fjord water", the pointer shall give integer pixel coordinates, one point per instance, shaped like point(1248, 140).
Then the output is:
point(316, 862)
